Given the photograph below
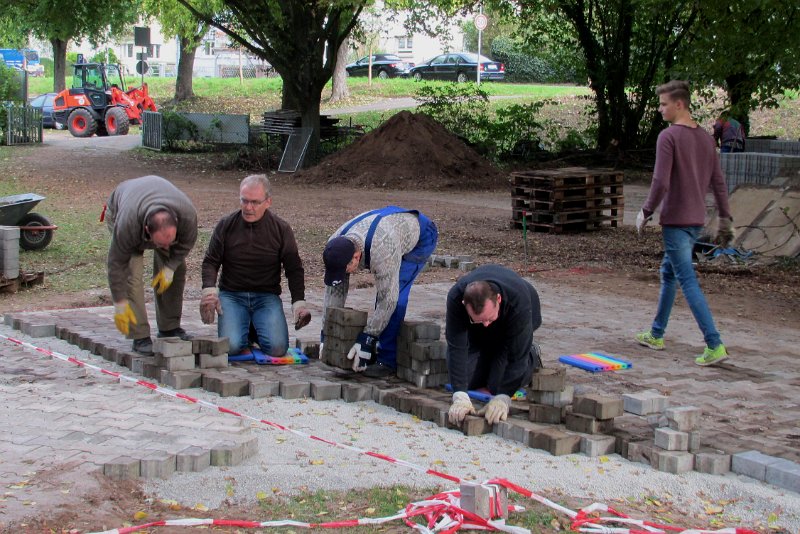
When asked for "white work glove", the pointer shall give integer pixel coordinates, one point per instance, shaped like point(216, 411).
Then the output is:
point(641, 221)
point(210, 305)
point(725, 232)
point(301, 314)
point(360, 357)
point(497, 409)
point(460, 408)
point(123, 316)
point(162, 280)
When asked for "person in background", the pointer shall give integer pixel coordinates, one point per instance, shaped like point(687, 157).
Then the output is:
point(729, 134)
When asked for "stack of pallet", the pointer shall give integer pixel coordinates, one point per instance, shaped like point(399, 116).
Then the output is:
point(572, 199)
point(286, 121)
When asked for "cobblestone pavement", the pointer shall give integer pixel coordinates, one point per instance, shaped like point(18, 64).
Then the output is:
point(61, 413)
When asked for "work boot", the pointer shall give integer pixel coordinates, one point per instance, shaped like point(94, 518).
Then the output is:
point(143, 346)
point(175, 332)
point(378, 370)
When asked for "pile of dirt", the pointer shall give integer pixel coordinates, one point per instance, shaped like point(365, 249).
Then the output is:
point(410, 150)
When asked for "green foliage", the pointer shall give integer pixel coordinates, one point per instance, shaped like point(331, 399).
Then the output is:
point(178, 133)
point(47, 63)
point(523, 67)
point(10, 84)
point(101, 57)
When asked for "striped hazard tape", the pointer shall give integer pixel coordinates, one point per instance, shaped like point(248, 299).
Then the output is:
point(441, 511)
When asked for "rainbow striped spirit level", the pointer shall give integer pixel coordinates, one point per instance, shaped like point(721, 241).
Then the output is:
point(293, 356)
point(595, 362)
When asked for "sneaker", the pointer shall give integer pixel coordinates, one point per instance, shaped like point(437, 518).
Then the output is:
point(143, 346)
point(647, 339)
point(712, 356)
point(378, 370)
point(175, 332)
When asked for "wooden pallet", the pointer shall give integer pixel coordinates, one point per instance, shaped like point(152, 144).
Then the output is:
point(24, 280)
point(567, 204)
point(568, 227)
point(570, 177)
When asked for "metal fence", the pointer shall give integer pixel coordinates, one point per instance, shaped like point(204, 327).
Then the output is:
point(151, 130)
point(22, 125)
point(217, 128)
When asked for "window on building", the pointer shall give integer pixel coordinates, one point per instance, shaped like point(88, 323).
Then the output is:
point(405, 43)
point(154, 51)
point(208, 48)
point(130, 50)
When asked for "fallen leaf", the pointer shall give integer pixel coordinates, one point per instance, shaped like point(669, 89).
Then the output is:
point(369, 511)
point(603, 459)
point(261, 495)
point(713, 510)
point(138, 516)
point(316, 462)
point(200, 507)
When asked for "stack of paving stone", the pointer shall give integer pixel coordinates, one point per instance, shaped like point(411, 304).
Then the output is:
point(773, 146)
point(549, 396)
point(9, 252)
point(421, 356)
point(757, 167)
point(594, 415)
point(460, 262)
point(342, 326)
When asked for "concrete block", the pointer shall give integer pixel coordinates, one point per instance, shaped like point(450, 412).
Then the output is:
point(428, 350)
point(657, 420)
point(598, 445)
point(641, 451)
point(420, 331)
point(598, 406)
point(193, 459)
point(712, 463)
point(675, 462)
point(671, 440)
point(210, 361)
point(553, 398)
point(475, 426)
point(346, 317)
point(784, 474)
point(172, 346)
point(683, 418)
point(542, 413)
point(426, 367)
point(644, 402)
point(158, 464)
point(549, 379)
point(429, 409)
point(213, 345)
point(555, 442)
point(137, 363)
point(517, 430)
point(694, 441)
point(356, 392)
point(181, 379)
point(323, 390)
point(488, 501)
point(234, 387)
point(9, 233)
point(176, 363)
point(586, 424)
point(752, 464)
point(293, 389)
point(227, 454)
point(39, 329)
point(467, 266)
point(122, 468)
point(264, 388)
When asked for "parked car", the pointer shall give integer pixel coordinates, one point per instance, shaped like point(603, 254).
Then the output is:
point(45, 103)
point(458, 67)
point(383, 66)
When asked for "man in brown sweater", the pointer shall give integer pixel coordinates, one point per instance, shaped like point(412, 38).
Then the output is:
point(250, 246)
point(686, 167)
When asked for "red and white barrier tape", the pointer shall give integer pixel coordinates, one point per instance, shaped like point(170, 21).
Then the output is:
point(583, 520)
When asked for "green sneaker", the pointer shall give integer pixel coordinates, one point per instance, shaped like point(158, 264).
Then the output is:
point(712, 356)
point(647, 339)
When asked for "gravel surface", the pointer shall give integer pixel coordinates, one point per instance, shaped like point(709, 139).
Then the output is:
point(289, 464)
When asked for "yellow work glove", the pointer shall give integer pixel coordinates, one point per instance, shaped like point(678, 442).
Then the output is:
point(497, 409)
point(460, 408)
point(123, 316)
point(162, 280)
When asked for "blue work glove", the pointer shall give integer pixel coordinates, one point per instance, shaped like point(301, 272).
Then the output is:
point(362, 352)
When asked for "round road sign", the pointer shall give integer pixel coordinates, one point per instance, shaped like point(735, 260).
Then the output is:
point(142, 67)
point(481, 21)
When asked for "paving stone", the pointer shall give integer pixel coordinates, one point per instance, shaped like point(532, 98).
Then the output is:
point(323, 390)
point(549, 379)
point(39, 329)
point(712, 463)
point(489, 501)
point(356, 392)
point(675, 462)
point(309, 348)
point(211, 361)
point(122, 468)
point(644, 402)
point(597, 406)
point(170, 347)
point(181, 379)
point(597, 445)
point(683, 418)
point(586, 424)
point(234, 387)
point(293, 389)
point(784, 474)
point(264, 388)
point(475, 426)
point(555, 442)
point(671, 440)
point(517, 429)
point(227, 454)
point(193, 459)
point(542, 413)
point(752, 464)
point(185, 362)
point(157, 464)
point(137, 363)
point(150, 369)
point(553, 398)
point(641, 451)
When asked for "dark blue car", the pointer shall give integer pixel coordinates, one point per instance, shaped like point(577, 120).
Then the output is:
point(45, 103)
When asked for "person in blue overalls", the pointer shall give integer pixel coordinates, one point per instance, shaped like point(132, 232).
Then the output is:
point(394, 244)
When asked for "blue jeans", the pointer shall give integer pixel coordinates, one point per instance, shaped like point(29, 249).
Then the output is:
point(264, 310)
point(677, 268)
point(410, 267)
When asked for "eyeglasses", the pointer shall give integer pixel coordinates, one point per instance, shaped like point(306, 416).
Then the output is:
point(254, 203)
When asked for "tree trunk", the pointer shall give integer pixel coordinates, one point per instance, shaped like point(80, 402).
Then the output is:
point(59, 64)
point(301, 92)
point(340, 90)
point(183, 83)
point(740, 91)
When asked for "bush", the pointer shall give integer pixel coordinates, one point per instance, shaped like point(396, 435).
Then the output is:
point(10, 84)
point(522, 67)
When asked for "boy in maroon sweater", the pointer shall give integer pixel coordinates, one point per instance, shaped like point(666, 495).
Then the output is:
point(686, 167)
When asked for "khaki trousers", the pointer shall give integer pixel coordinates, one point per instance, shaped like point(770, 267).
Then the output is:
point(169, 305)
